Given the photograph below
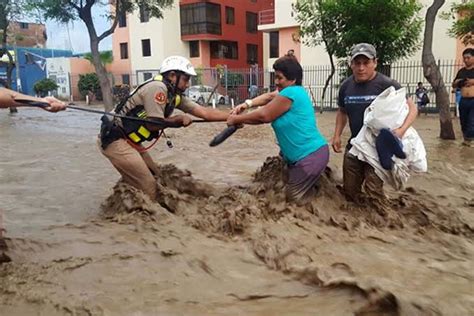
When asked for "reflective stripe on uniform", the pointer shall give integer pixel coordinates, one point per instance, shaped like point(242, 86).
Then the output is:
point(134, 137)
point(144, 132)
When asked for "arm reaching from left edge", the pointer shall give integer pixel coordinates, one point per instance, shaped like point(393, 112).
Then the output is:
point(8, 97)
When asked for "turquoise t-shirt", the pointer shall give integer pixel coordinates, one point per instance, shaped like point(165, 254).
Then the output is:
point(296, 130)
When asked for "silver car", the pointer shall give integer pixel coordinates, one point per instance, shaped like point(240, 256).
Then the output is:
point(200, 94)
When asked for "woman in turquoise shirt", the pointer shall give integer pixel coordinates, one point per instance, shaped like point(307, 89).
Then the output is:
point(291, 114)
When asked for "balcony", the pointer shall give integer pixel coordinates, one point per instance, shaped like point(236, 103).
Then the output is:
point(266, 17)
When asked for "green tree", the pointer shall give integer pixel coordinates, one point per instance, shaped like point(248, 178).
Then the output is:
point(89, 84)
point(392, 26)
point(433, 74)
point(463, 26)
point(44, 86)
point(71, 10)
point(318, 25)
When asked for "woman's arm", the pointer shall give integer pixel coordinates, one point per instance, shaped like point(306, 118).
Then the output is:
point(260, 100)
point(273, 110)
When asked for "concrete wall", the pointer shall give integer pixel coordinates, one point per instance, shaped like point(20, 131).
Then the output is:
point(79, 66)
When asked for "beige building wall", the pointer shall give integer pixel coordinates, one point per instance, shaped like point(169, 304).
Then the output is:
point(165, 39)
point(120, 67)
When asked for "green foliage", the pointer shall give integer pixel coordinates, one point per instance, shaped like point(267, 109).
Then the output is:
point(106, 57)
point(197, 80)
point(392, 26)
point(463, 25)
point(234, 79)
point(43, 86)
point(89, 84)
point(65, 11)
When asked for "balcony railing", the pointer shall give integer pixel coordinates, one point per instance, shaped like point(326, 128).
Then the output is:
point(266, 17)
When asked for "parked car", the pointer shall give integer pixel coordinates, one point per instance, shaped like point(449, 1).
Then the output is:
point(200, 94)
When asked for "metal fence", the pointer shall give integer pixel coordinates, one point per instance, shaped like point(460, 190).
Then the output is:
point(236, 85)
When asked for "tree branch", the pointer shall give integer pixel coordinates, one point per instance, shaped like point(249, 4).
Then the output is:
point(89, 3)
point(114, 24)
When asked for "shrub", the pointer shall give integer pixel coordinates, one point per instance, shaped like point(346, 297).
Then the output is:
point(44, 86)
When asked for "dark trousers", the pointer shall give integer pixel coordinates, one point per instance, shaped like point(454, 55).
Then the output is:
point(357, 173)
point(466, 116)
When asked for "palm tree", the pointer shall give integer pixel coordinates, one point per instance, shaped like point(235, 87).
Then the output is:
point(106, 57)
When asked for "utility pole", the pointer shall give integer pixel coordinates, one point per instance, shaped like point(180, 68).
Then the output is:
point(18, 81)
point(17, 69)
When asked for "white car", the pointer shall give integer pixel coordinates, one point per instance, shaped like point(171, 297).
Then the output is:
point(200, 94)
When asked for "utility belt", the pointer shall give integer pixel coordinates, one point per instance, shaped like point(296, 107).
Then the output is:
point(134, 132)
point(109, 132)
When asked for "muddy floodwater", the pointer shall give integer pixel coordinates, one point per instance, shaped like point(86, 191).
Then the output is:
point(222, 240)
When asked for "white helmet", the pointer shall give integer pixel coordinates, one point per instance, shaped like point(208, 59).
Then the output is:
point(177, 63)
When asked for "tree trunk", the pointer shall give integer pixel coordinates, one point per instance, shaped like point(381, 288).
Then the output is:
point(104, 82)
point(86, 16)
point(433, 75)
point(328, 79)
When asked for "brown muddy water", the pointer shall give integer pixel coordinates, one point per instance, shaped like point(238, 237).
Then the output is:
point(223, 241)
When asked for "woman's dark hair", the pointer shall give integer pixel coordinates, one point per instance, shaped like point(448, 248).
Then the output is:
point(290, 68)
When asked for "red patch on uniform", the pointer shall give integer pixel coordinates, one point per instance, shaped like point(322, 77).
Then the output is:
point(160, 98)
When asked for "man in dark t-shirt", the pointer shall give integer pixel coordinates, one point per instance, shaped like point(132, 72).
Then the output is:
point(465, 81)
point(355, 94)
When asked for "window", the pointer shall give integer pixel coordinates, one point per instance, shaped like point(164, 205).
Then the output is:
point(194, 49)
point(274, 44)
point(251, 22)
point(122, 19)
point(23, 25)
point(126, 79)
point(229, 15)
point(147, 76)
point(123, 50)
point(252, 54)
point(144, 13)
point(146, 48)
point(227, 50)
point(200, 18)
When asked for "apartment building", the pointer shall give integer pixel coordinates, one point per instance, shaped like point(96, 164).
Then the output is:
point(223, 32)
point(25, 34)
point(209, 33)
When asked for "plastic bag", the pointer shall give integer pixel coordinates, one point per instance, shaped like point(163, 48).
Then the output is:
point(388, 110)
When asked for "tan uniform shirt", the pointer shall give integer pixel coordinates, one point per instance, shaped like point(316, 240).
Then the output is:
point(154, 97)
